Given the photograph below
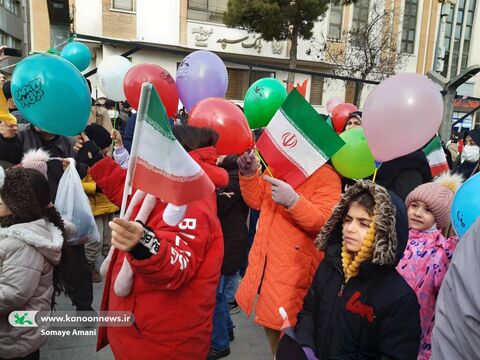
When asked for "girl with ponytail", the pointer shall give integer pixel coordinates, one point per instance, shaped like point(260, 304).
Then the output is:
point(358, 306)
point(32, 237)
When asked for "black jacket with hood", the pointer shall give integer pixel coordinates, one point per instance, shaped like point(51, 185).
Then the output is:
point(375, 315)
point(403, 174)
point(232, 213)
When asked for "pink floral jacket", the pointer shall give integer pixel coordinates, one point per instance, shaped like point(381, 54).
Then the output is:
point(423, 266)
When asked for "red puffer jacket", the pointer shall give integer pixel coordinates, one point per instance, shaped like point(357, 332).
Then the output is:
point(172, 303)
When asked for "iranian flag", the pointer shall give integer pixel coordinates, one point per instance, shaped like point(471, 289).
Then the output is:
point(436, 157)
point(297, 141)
point(159, 165)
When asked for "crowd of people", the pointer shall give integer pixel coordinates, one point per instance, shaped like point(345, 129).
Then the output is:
point(356, 265)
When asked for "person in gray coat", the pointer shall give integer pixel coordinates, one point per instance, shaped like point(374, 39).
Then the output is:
point(456, 334)
point(31, 244)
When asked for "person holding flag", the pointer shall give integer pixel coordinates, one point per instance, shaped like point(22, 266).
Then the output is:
point(294, 204)
point(164, 270)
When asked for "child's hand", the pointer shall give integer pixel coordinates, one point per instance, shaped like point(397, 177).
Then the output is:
point(80, 140)
point(125, 234)
point(117, 139)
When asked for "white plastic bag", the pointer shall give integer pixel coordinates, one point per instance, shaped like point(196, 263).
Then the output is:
point(72, 203)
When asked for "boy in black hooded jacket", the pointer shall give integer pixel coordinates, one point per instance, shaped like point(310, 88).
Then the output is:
point(358, 306)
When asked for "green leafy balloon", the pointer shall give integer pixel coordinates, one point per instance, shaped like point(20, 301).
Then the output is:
point(262, 101)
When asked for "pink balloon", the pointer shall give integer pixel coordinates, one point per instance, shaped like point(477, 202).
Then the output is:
point(332, 103)
point(401, 115)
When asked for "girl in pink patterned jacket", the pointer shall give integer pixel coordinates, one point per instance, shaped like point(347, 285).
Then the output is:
point(428, 253)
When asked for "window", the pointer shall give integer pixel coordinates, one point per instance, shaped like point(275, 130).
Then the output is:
point(11, 5)
point(409, 26)
point(335, 25)
point(238, 82)
point(316, 90)
point(448, 40)
point(10, 41)
point(125, 5)
point(207, 10)
point(457, 38)
point(360, 14)
point(468, 33)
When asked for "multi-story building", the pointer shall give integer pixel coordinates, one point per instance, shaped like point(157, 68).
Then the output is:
point(168, 30)
point(13, 29)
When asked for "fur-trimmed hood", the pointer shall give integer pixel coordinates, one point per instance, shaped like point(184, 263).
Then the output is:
point(41, 234)
point(391, 223)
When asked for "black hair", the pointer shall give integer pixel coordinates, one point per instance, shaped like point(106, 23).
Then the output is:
point(192, 137)
point(41, 189)
point(7, 89)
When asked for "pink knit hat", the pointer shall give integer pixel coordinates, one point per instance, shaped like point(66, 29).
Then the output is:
point(37, 160)
point(438, 196)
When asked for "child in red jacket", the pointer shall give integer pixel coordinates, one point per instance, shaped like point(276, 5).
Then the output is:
point(165, 275)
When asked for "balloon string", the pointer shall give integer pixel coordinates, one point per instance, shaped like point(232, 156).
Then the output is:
point(114, 120)
point(375, 174)
point(263, 161)
point(377, 166)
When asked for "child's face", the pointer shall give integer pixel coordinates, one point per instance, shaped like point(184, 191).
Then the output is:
point(355, 227)
point(419, 216)
point(4, 210)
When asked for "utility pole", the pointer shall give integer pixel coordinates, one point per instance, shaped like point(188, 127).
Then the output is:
point(449, 90)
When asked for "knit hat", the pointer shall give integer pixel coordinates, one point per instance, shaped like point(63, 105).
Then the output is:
point(438, 196)
point(98, 135)
point(37, 160)
point(25, 192)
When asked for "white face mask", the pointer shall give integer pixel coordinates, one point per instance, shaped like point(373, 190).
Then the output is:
point(470, 153)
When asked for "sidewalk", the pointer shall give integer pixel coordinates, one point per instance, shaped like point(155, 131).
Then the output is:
point(250, 340)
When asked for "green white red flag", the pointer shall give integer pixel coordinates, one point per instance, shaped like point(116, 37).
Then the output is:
point(436, 157)
point(159, 165)
point(297, 141)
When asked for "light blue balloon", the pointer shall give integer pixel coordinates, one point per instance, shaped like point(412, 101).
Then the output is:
point(466, 205)
point(78, 54)
point(52, 94)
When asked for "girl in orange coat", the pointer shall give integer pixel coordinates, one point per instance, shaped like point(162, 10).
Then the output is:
point(283, 258)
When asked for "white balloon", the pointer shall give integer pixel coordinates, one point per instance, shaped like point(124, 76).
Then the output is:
point(111, 73)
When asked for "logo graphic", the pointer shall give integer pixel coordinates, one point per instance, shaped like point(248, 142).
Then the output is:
point(289, 140)
point(164, 75)
point(460, 218)
point(23, 318)
point(30, 93)
point(182, 70)
point(355, 306)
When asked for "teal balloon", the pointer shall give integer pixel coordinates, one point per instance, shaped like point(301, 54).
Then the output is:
point(466, 205)
point(78, 54)
point(354, 160)
point(262, 101)
point(52, 94)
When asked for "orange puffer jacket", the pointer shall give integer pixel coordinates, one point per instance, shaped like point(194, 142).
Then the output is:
point(283, 258)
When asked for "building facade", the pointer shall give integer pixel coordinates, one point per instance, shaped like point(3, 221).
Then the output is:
point(13, 29)
point(430, 35)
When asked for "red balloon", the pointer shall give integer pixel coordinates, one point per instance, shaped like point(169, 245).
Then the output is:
point(227, 120)
point(340, 116)
point(161, 80)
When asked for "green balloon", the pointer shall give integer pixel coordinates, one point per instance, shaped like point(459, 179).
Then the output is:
point(262, 101)
point(354, 160)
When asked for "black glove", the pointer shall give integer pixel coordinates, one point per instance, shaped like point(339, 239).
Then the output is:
point(89, 154)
